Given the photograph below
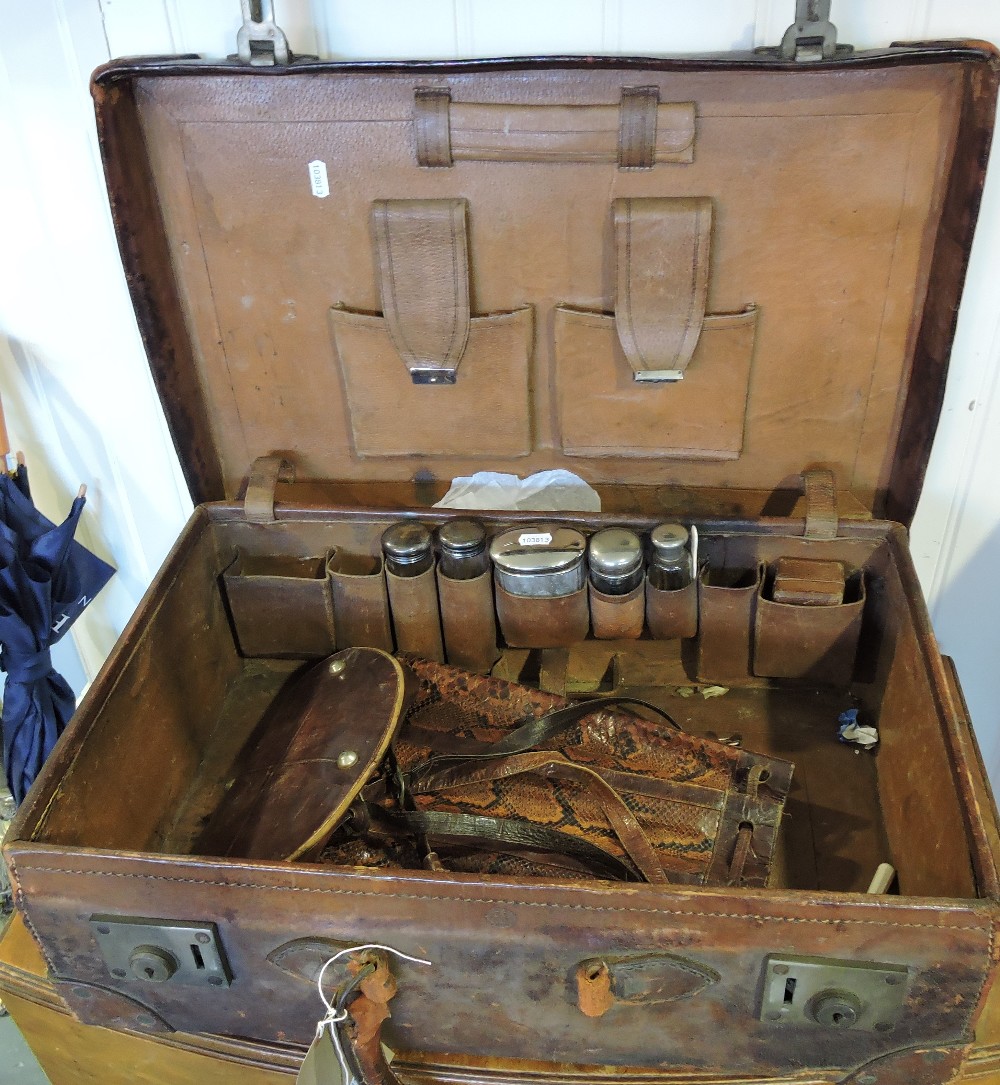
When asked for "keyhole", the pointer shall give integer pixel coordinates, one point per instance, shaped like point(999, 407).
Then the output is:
point(149, 972)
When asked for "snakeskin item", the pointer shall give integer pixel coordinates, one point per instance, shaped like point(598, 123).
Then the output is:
point(710, 812)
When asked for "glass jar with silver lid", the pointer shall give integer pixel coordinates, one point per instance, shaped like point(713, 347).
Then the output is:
point(616, 561)
point(543, 560)
point(462, 553)
point(670, 559)
point(407, 548)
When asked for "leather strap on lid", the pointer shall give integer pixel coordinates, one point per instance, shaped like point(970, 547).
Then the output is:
point(821, 504)
point(432, 126)
point(637, 132)
point(662, 248)
point(265, 474)
point(422, 253)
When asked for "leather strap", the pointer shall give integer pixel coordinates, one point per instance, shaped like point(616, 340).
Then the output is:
point(422, 253)
point(821, 504)
point(265, 474)
point(531, 734)
point(661, 290)
point(542, 763)
point(637, 128)
point(432, 126)
point(638, 132)
point(489, 833)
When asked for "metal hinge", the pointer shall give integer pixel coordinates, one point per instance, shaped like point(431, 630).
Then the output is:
point(812, 36)
point(260, 41)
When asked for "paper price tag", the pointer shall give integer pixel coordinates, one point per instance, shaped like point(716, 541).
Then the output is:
point(318, 180)
point(537, 538)
point(321, 1066)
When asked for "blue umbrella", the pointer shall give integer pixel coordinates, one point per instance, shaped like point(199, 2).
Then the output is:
point(47, 579)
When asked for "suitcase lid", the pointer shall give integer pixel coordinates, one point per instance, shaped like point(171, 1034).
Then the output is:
point(396, 273)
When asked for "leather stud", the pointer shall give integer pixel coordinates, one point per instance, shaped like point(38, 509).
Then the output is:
point(347, 759)
point(338, 666)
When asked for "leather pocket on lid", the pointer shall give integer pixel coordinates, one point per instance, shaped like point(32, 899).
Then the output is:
point(425, 377)
point(660, 376)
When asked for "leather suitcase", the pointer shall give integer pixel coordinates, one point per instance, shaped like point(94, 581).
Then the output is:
point(694, 282)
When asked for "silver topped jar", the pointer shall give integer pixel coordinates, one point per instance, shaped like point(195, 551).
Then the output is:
point(670, 558)
point(616, 563)
point(462, 553)
point(540, 560)
point(407, 548)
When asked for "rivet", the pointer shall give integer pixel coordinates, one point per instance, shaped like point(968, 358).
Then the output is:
point(103, 930)
point(119, 972)
point(892, 980)
point(215, 981)
point(780, 969)
point(202, 937)
point(774, 1015)
point(347, 759)
point(145, 1019)
point(867, 1079)
point(337, 667)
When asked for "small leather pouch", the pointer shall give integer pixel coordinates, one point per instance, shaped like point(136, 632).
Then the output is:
point(469, 622)
point(360, 601)
point(416, 622)
point(817, 643)
point(726, 607)
point(671, 615)
point(617, 617)
point(529, 621)
point(281, 607)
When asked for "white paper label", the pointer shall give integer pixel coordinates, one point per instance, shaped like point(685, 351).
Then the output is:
point(539, 538)
point(318, 179)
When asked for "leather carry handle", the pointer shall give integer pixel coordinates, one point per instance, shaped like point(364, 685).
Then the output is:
point(640, 132)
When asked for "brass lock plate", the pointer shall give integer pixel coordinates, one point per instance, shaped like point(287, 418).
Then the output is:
point(866, 996)
point(153, 951)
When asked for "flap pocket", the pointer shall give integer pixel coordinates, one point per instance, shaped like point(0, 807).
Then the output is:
point(486, 412)
point(605, 411)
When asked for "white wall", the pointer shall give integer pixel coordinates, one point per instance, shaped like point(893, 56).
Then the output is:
point(73, 375)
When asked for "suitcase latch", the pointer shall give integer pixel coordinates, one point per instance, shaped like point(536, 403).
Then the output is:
point(867, 996)
point(161, 951)
point(260, 41)
point(812, 36)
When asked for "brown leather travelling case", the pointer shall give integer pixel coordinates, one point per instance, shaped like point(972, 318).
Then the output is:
point(696, 283)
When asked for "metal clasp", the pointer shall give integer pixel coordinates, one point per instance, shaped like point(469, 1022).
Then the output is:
point(812, 36)
point(260, 41)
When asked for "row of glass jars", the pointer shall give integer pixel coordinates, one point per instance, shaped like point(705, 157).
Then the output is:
point(546, 560)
